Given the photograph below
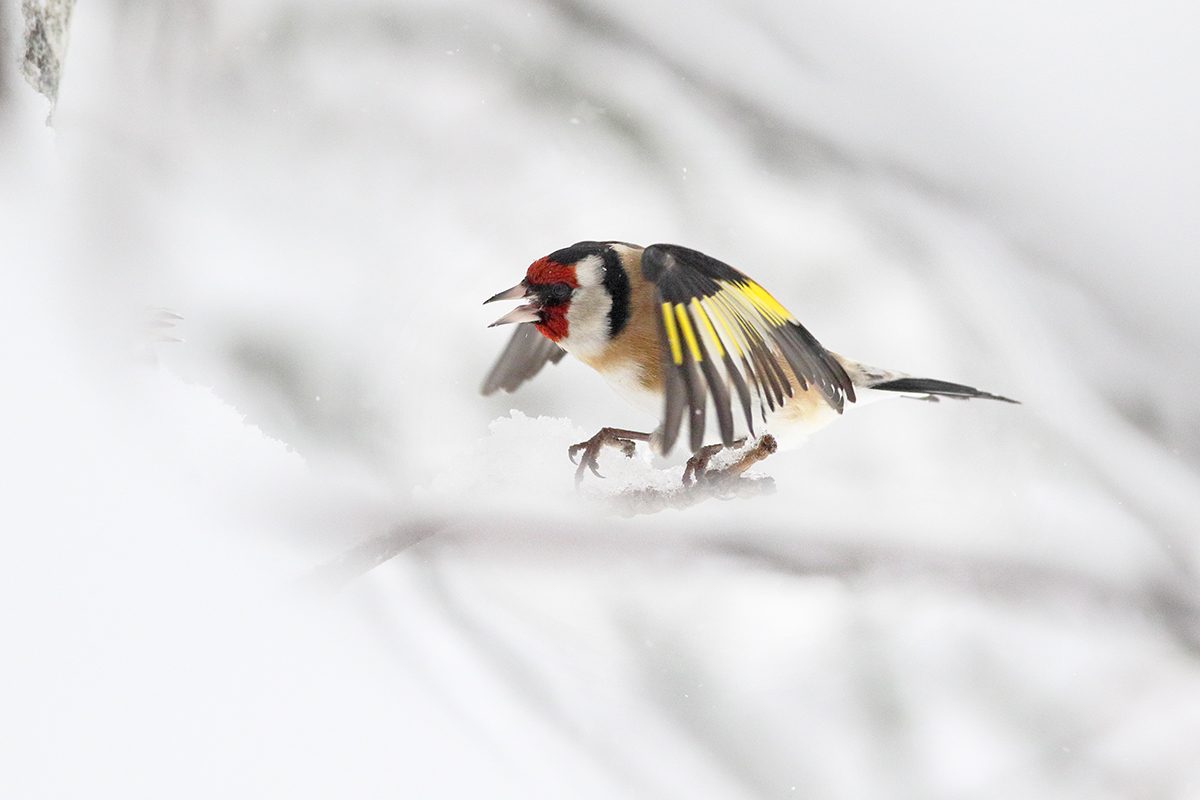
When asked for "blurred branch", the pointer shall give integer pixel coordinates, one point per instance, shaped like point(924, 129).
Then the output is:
point(1174, 605)
point(365, 556)
point(47, 23)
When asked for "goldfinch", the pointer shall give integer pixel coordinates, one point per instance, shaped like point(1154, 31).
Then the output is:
point(677, 332)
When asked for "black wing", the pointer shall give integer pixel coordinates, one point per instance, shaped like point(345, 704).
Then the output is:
point(718, 329)
point(527, 352)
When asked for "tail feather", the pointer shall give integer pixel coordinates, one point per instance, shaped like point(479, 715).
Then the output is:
point(935, 388)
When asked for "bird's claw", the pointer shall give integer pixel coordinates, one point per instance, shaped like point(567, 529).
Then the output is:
point(612, 437)
point(591, 451)
point(697, 471)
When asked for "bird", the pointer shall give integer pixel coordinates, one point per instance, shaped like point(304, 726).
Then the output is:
point(681, 334)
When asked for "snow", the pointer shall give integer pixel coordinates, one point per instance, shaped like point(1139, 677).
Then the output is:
point(953, 599)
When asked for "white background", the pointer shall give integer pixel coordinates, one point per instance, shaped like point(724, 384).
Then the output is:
point(960, 600)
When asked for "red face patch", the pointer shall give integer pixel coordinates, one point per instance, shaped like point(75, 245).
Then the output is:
point(554, 326)
point(544, 273)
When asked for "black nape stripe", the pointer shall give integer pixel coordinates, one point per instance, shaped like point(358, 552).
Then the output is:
point(577, 252)
point(616, 281)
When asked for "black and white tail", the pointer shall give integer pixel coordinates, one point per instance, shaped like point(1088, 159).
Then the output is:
point(933, 389)
point(867, 377)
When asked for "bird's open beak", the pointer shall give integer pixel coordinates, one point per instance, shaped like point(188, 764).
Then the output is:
point(518, 292)
point(518, 314)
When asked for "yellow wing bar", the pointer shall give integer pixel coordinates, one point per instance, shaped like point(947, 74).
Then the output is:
point(690, 335)
point(672, 334)
point(734, 307)
point(756, 298)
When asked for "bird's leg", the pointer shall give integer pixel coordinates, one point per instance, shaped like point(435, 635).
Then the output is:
point(697, 466)
point(612, 437)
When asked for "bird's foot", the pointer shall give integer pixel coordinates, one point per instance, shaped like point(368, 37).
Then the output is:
point(697, 465)
point(610, 437)
point(697, 471)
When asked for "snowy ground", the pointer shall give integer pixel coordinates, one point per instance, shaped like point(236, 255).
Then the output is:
point(952, 600)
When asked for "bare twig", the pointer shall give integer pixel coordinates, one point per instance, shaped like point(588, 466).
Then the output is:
point(366, 555)
point(700, 482)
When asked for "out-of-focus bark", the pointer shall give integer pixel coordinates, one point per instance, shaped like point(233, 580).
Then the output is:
point(47, 23)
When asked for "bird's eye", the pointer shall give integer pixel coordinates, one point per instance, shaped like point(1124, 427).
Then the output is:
point(558, 293)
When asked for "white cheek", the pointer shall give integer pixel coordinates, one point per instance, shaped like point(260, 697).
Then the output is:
point(587, 323)
point(589, 272)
